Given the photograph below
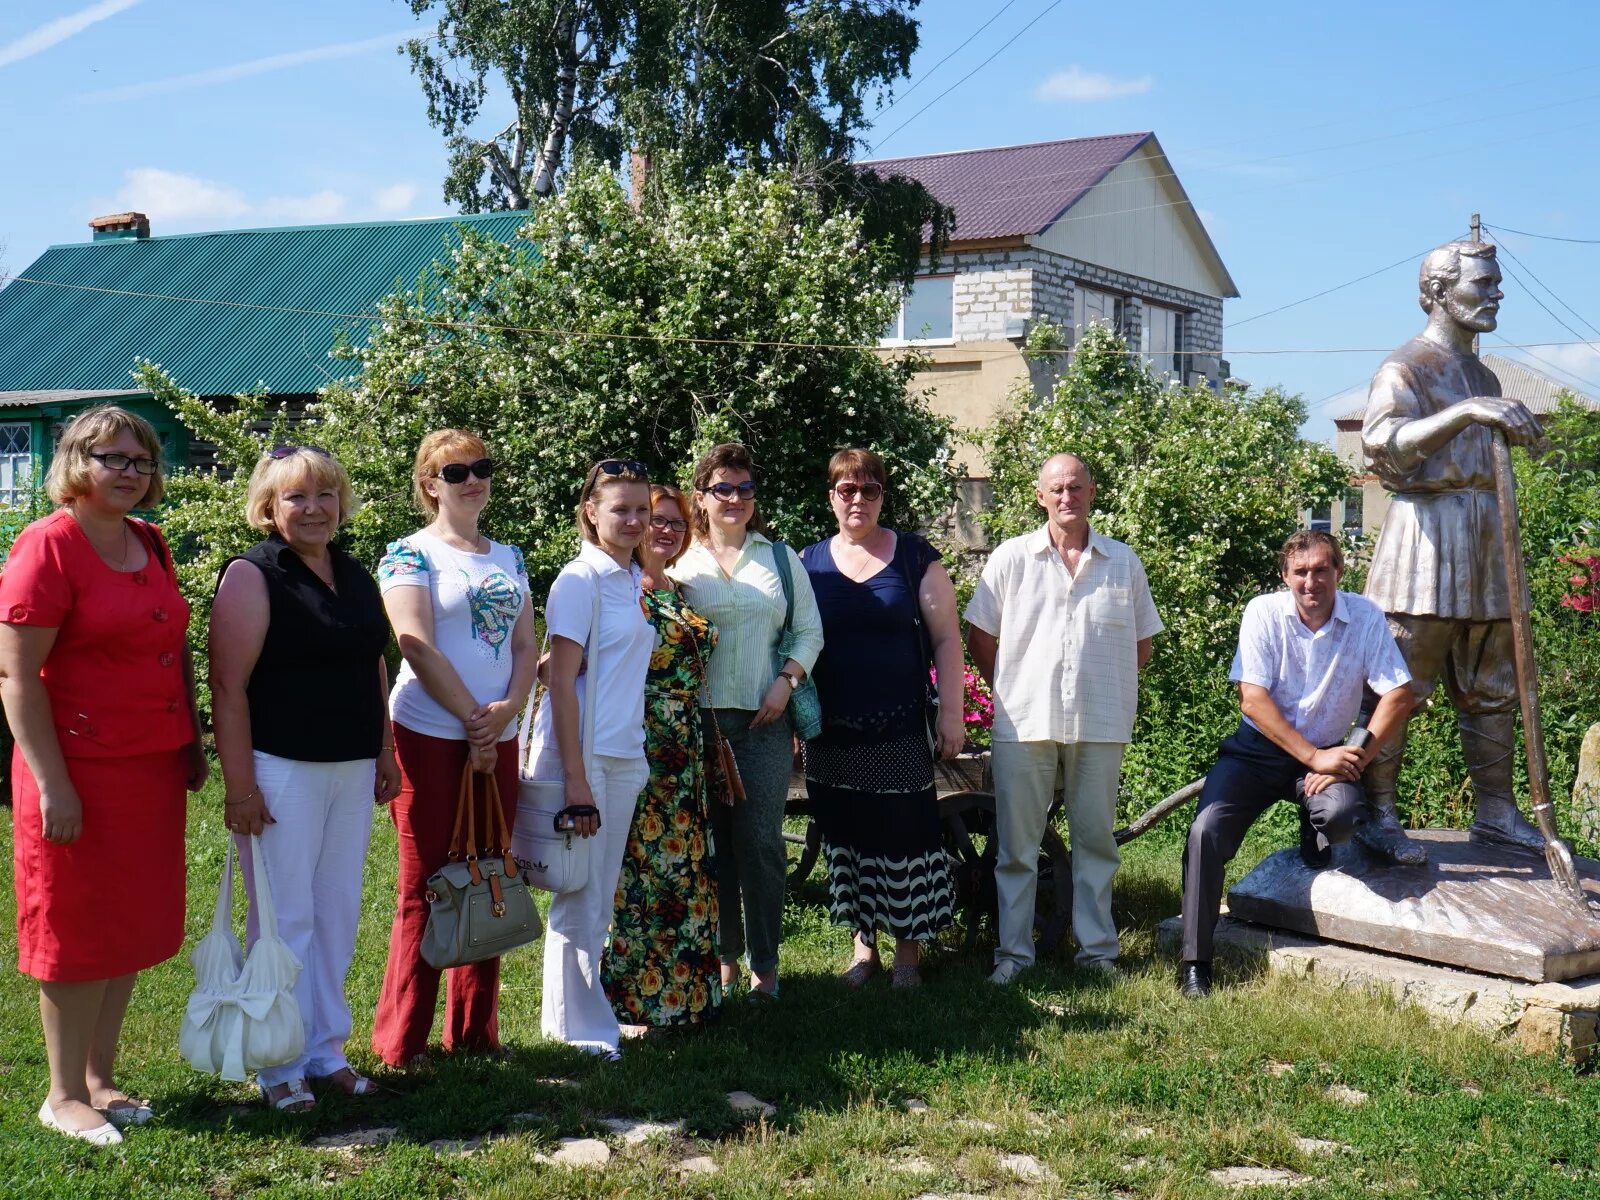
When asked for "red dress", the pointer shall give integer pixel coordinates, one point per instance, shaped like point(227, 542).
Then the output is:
point(111, 902)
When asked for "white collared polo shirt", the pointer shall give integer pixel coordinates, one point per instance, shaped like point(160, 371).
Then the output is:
point(1067, 668)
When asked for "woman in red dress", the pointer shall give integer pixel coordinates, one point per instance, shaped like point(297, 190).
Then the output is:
point(99, 692)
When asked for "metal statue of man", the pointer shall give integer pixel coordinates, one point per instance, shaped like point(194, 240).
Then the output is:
point(1432, 412)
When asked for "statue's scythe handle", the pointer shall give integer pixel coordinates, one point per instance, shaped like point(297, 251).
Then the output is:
point(1556, 853)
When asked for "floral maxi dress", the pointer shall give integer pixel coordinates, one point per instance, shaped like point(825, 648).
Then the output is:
point(661, 966)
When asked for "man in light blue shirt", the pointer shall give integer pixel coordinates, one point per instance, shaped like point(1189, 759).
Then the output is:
point(1306, 659)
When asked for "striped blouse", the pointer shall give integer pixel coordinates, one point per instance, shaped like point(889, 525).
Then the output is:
point(747, 608)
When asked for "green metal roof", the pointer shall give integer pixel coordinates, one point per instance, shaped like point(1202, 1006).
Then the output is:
point(55, 337)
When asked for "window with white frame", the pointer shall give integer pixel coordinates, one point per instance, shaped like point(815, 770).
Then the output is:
point(1161, 338)
point(1091, 306)
point(16, 461)
point(927, 314)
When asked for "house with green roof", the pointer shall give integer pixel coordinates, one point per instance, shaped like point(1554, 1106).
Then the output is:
point(222, 312)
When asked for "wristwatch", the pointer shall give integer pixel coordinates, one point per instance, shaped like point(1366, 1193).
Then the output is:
point(792, 678)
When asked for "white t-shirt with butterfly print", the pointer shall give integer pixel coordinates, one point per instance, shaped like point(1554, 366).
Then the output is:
point(476, 601)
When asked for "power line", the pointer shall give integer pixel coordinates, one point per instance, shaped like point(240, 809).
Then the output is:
point(1548, 290)
point(601, 335)
point(1553, 366)
point(1328, 291)
point(970, 38)
point(1549, 237)
point(1049, 8)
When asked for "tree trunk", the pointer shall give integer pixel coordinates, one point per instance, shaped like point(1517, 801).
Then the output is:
point(555, 140)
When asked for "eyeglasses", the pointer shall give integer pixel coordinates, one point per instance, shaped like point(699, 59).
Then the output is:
point(121, 462)
point(622, 466)
point(458, 472)
point(671, 523)
point(727, 491)
point(867, 491)
point(284, 451)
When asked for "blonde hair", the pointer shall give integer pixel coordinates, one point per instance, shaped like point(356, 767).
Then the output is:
point(435, 448)
point(300, 465)
point(69, 476)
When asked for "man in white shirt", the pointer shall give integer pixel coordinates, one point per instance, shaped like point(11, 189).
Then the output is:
point(1307, 657)
point(1059, 627)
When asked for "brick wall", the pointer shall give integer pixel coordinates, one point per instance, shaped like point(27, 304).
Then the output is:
point(996, 291)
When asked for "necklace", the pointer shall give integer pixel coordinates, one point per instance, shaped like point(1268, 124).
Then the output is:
point(121, 562)
point(863, 570)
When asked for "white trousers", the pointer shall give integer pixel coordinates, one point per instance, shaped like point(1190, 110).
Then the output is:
point(575, 1009)
point(314, 854)
point(1026, 778)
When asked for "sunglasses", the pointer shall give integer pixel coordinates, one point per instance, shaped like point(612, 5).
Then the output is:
point(279, 452)
point(671, 523)
point(727, 491)
point(458, 472)
point(121, 462)
point(867, 491)
point(622, 466)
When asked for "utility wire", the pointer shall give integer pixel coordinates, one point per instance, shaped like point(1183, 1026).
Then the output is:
point(1328, 291)
point(1553, 366)
point(1548, 290)
point(1549, 237)
point(1049, 8)
point(602, 336)
point(970, 38)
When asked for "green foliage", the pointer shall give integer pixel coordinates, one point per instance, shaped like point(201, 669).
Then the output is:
point(694, 85)
point(1204, 488)
point(478, 345)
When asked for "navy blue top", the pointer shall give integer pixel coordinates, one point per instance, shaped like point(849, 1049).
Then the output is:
point(872, 675)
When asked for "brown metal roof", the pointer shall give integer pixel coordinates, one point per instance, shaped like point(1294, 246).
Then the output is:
point(1014, 191)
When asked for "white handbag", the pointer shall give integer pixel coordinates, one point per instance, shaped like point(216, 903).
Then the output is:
point(242, 1015)
point(552, 857)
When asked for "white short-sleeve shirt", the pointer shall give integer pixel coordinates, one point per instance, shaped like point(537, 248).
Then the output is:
point(476, 600)
point(621, 656)
point(1067, 668)
point(1317, 679)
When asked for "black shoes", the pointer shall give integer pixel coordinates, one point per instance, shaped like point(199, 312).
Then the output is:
point(1194, 980)
point(1309, 854)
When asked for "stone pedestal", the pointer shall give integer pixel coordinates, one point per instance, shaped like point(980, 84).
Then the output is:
point(1484, 907)
point(1544, 1018)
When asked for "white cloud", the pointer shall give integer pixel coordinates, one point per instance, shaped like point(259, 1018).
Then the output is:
point(59, 30)
point(258, 66)
point(179, 203)
point(1577, 365)
point(394, 200)
point(1077, 86)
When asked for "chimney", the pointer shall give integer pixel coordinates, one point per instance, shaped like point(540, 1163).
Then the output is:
point(638, 169)
point(119, 226)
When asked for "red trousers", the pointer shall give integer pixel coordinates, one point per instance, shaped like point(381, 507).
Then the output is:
point(424, 814)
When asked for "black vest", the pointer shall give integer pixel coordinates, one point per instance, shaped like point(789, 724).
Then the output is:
point(314, 692)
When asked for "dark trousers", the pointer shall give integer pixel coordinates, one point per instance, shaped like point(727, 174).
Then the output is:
point(1252, 774)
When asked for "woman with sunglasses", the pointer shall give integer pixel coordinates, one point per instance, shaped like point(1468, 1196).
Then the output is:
point(613, 514)
point(459, 606)
point(99, 694)
point(298, 689)
point(730, 574)
point(888, 607)
point(660, 967)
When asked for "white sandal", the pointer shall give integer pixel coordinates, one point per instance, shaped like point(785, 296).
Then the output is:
point(298, 1093)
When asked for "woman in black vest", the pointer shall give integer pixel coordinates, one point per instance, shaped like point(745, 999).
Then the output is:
point(299, 693)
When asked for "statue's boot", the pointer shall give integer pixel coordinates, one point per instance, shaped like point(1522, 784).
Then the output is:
point(1381, 834)
point(1486, 741)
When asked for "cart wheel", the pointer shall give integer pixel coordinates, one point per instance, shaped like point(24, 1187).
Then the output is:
point(802, 838)
point(968, 819)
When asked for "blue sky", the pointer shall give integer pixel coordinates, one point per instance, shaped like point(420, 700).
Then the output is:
point(1319, 143)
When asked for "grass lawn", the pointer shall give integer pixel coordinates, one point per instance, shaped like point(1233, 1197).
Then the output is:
point(1117, 1090)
